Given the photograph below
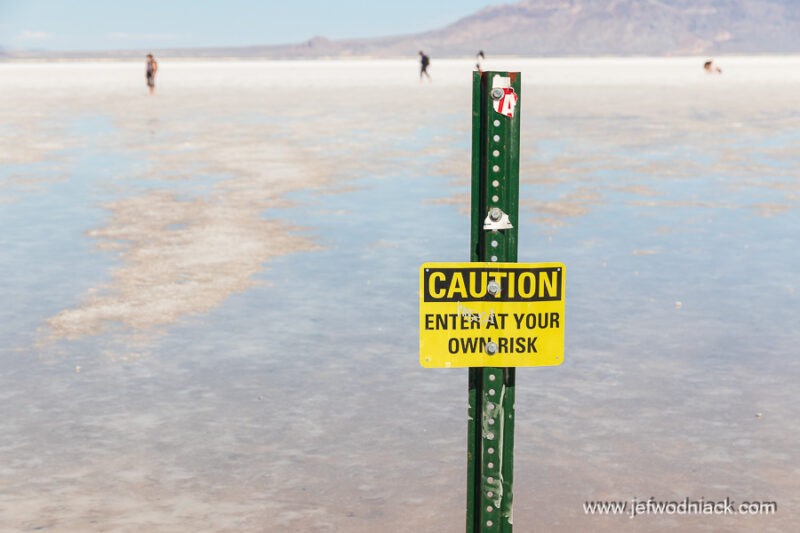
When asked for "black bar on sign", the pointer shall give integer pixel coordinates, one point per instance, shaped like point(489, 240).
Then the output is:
point(472, 284)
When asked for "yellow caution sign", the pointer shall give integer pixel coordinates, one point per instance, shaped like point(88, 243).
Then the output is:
point(491, 314)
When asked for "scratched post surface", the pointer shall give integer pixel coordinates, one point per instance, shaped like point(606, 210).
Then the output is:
point(495, 185)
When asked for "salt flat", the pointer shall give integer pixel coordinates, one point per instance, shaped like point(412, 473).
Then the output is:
point(211, 317)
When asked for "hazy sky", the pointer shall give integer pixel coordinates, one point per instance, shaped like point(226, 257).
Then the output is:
point(121, 24)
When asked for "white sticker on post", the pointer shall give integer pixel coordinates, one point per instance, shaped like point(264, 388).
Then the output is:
point(501, 82)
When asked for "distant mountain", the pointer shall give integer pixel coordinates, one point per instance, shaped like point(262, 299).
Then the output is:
point(596, 27)
point(626, 27)
point(631, 27)
point(565, 28)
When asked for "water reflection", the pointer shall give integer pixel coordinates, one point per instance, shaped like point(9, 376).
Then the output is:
point(214, 324)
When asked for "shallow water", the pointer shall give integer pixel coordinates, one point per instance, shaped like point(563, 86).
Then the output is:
point(211, 318)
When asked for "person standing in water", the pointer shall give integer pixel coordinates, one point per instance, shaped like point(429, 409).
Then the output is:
point(424, 61)
point(150, 72)
point(711, 68)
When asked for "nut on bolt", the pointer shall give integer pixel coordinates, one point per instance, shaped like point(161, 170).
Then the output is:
point(497, 93)
point(493, 287)
point(495, 213)
point(491, 347)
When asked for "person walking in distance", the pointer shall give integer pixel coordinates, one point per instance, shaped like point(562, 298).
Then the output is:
point(424, 61)
point(150, 72)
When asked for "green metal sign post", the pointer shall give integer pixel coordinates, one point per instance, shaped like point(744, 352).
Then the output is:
point(495, 207)
point(492, 314)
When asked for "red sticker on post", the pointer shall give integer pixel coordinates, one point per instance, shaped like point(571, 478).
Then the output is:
point(504, 103)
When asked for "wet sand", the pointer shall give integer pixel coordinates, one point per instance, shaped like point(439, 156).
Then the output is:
point(214, 293)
